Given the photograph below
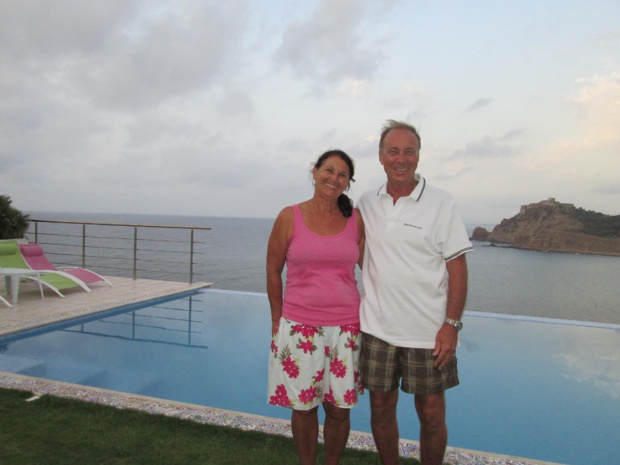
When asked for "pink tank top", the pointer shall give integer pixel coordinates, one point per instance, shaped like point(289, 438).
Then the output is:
point(321, 289)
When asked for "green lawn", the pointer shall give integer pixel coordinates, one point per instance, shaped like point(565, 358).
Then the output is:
point(54, 430)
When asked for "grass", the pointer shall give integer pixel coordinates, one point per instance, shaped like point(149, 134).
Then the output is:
point(53, 430)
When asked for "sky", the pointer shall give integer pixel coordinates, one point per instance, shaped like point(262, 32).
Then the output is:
point(211, 108)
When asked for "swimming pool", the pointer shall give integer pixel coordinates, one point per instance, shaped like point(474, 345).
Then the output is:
point(540, 389)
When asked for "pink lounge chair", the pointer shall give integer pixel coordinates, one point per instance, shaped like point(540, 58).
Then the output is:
point(36, 259)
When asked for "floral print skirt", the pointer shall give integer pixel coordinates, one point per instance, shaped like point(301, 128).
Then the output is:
point(310, 365)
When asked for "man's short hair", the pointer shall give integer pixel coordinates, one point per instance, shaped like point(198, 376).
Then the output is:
point(394, 124)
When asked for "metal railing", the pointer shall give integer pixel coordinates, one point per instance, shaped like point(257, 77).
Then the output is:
point(121, 249)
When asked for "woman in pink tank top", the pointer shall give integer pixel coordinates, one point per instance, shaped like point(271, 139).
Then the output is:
point(315, 317)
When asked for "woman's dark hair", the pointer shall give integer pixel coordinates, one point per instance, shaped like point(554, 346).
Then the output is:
point(345, 205)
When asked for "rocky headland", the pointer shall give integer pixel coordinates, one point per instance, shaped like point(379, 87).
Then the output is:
point(556, 227)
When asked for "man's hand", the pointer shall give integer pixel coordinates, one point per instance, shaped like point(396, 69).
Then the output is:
point(447, 337)
point(445, 345)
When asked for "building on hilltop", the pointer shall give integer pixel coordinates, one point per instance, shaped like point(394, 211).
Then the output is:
point(550, 202)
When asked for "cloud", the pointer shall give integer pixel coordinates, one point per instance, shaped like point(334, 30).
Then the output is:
point(598, 105)
point(486, 147)
point(328, 46)
point(354, 87)
point(235, 101)
point(117, 92)
point(116, 55)
point(164, 106)
point(167, 55)
point(512, 134)
point(42, 33)
point(590, 149)
point(607, 189)
point(452, 172)
point(478, 104)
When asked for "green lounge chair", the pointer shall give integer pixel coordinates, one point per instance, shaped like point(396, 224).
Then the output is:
point(11, 257)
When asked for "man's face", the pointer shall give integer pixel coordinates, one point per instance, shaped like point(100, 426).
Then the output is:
point(399, 156)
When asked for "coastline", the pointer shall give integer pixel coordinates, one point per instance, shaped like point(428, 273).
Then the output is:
point(506, 245)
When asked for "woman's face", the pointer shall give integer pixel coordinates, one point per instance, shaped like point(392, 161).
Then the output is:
point(332, 178)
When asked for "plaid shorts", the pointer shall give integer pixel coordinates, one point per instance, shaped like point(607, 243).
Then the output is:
point(383, 366)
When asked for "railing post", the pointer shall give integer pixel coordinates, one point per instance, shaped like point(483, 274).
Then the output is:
point(36, 231)
point(83, 245)
point(191, 258)
point(135, 251)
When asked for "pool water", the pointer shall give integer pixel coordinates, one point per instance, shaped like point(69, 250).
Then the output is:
point(540, 389)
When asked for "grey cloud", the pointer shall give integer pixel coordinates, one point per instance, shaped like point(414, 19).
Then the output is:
point(447, 176)
point(291, 145)
point(44, 132)
point(329, 135)
point(62, 28)
point(478, 104)
point(116, 55)
point(328, 46)
point(170, 55)
point(607, 189)
point(172, 162)
point(73, 75)
point(511, 134)
point(235, 101)
point(486, 147)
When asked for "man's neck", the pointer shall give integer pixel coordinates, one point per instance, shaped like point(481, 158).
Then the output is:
point(398, 191)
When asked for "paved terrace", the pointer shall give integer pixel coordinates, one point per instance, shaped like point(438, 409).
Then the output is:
point(31, 311)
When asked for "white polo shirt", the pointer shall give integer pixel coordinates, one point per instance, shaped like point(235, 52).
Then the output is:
point(405, 277)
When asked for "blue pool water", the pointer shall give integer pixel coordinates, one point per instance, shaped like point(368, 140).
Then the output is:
point(534, 388)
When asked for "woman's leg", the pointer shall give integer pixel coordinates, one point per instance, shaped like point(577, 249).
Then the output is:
point(335, 432)
point(305, 426)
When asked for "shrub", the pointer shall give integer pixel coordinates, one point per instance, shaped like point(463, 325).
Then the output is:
point(13, 223)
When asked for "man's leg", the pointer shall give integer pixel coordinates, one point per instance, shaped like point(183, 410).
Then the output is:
point(385, 425)
point(431, 410)
point(305, 426)
point(335, 432)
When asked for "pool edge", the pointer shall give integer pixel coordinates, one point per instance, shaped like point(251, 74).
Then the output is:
point(247, 422)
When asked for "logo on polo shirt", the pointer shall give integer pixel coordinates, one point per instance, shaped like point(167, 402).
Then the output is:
point(413, 226)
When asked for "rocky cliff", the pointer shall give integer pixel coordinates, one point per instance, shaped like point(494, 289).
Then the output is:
point(556, 227)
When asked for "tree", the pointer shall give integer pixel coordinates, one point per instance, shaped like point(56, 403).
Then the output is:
point(13, 223)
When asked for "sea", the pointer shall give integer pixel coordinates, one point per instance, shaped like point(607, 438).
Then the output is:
point(563, 286)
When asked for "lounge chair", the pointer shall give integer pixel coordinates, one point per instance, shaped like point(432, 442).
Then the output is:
point(11, 257)
point(5, 301)
point(36, 259)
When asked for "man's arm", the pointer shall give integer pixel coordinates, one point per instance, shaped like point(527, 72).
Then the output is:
point(447, 337)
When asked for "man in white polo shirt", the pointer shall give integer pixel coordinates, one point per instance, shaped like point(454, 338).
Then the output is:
point(415, 285)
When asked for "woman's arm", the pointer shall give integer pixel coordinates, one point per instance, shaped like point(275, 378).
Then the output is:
point(276, 258)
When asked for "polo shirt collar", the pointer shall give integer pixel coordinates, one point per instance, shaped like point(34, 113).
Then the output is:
point(416, 194)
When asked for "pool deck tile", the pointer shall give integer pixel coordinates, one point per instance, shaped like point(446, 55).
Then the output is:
point(31, 311)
